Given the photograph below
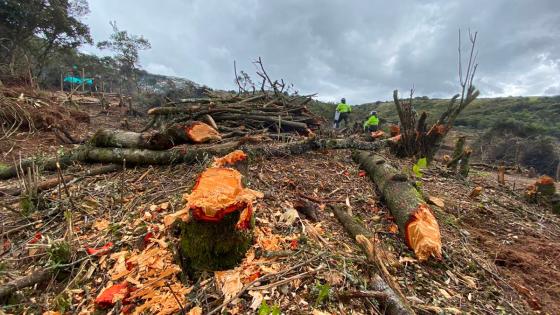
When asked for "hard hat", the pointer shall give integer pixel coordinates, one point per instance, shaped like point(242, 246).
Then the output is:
point(343, 100)
point(373, 112)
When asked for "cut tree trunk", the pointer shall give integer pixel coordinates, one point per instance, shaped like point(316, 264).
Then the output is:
point(128, 139)
point(196, 132)
point(217, 221)
point(457, 153)
point(390, 295)
point(54, 181)
point(415, 219)
point(34, 278)
point(464, 167)
point(185, 154)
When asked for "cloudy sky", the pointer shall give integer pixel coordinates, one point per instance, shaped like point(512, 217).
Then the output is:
point(360, 50)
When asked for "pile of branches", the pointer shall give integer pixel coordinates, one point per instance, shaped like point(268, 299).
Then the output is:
point(242, 115)
point(28, 111)
point(271, 109)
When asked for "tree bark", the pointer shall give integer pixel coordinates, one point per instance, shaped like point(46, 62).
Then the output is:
point(186, 154)
point(390, 296)
point(27, 281)
point(457, 153)
point(412, 214)
point(128, 139)
point(464, 167)
point(54, 181)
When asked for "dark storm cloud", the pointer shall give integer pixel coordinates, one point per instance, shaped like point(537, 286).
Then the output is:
point(358, 49)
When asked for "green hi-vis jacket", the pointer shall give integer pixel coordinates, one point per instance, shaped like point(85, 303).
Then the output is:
point(343, 108)
point(372, 121)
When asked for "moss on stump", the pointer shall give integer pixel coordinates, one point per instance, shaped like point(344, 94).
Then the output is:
point(211, 246)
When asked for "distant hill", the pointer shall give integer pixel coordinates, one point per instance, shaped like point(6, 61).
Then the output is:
point(169, 86)
point(539, 113)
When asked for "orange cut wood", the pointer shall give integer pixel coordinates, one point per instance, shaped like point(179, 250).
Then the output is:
point(422, 233)
point(219, 191)
point(395, 139)
point(395, 130)
point(199, 132)
point(545, 180)
point(112, 294)
point(230, 159)
point(377, 134)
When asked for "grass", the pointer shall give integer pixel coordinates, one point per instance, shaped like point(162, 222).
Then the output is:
point(542, 113)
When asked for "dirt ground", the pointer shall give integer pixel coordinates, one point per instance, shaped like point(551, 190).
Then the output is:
point(500, 253)
point(44, 142)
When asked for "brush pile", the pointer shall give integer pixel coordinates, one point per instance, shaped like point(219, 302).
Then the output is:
point(274, 115)
point(29, 111)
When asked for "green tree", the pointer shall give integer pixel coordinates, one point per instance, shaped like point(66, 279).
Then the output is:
point(30, 30)
point(126, 47)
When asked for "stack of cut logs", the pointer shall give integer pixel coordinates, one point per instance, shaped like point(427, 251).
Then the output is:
point(237, 116)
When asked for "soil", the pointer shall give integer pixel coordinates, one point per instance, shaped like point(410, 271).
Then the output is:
point(81, 122)
point(501, 254)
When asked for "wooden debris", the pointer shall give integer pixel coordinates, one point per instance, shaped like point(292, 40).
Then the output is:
point(390, 293)
point(218, 212)
point(415, 219)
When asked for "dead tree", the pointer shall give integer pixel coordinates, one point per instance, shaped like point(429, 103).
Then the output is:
point(419, 140)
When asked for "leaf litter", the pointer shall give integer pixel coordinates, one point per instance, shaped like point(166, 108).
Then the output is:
point(291, 257)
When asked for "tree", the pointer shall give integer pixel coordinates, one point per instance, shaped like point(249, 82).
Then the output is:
point(32, 29)
point(126, 46)
point(416, 138)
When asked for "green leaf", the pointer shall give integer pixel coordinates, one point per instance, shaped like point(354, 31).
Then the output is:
point(422, 163)
point(418, 166)
point(324, 290)
point(276, 310)
point(416, 170)
point(264, 309)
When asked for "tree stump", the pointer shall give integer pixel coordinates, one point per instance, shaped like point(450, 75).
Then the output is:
point(210, 246)
point(217, 221)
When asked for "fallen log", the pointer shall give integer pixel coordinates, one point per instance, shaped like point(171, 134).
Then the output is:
point(128, 139)
point(185, 154)
point(390, 295)
point(196, 132)
point(54, 181)
point(34, 278)
point(412, 214)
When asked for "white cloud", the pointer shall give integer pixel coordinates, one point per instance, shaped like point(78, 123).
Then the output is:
point(361, 50)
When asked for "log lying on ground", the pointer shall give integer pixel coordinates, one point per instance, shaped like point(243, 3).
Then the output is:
point(129, 139)
point(196, 132)
point(187, 154)
point(412, 214)
point(36, 277)
point(215, 223)
point(54, 181)
point(390, 295)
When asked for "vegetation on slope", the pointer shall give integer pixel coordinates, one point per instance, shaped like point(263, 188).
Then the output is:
point(540, 114)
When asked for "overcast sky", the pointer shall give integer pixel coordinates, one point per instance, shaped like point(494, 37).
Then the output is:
point(360, 50)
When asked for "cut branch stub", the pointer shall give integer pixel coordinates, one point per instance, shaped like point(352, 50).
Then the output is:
point(414, 217)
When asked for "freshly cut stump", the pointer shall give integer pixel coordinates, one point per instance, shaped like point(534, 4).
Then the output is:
point(217, 221)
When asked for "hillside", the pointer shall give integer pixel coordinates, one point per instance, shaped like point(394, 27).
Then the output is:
point(540, 113)
point(129, 192)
